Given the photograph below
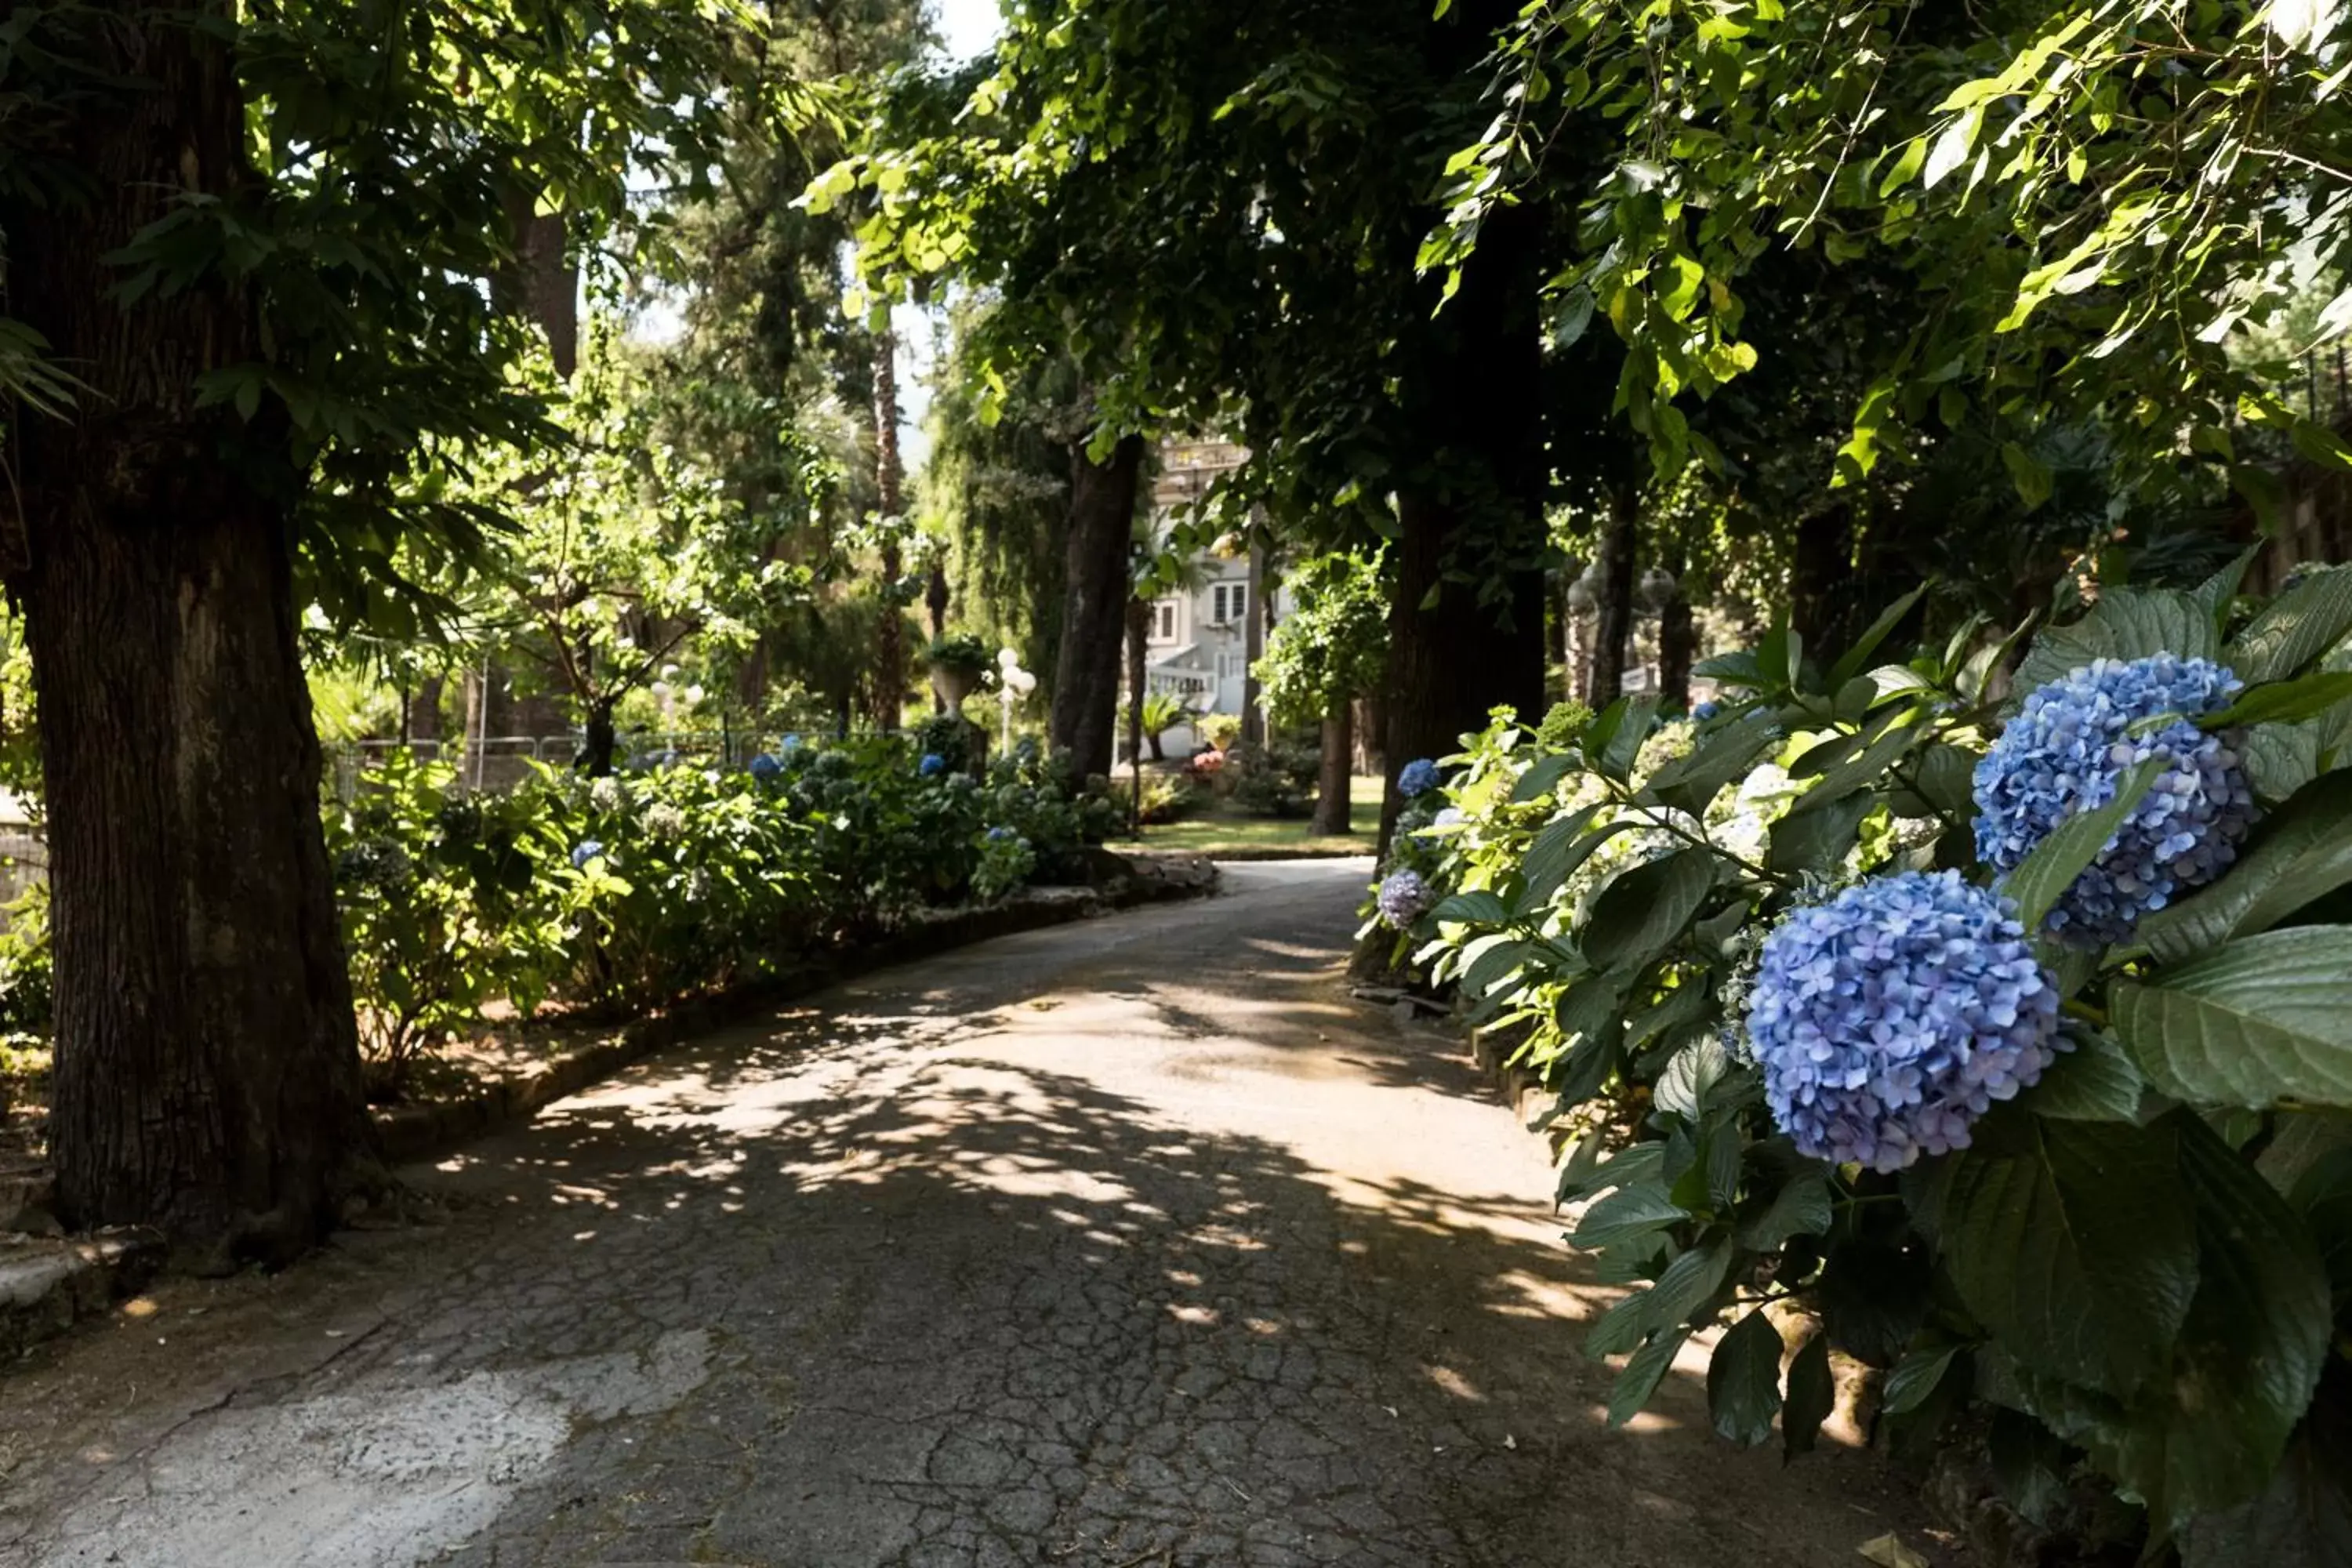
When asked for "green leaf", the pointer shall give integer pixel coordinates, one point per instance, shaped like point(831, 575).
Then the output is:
point(2029, 473)
point(2300, 853)
point(1641, 913)
point(1689, 1282)
point(1690, 783)
point(1683, 1089)
point(2323, 1196)
point(1818, 841)
point(1558, 850)
point(2284, 701)
point(2029, 1463)
point(2294, 629)
point(2304, 1519)
point(2071, 1241)
point(2215, 594)
point(2261, 1019)
point(1629, 1212)
point(1851, 665)
point(1915, 1378)
point(2096, 1081)
point(1743, 1380)
point(1542, 777)
point(1802, 1208)
point(2044, 876)
point(2280, 759)
point(1643, 1374)
point(1812, 1396)
point(1946, 775)
point(1616, 758)
point(1862, 772)
point(1479, 908)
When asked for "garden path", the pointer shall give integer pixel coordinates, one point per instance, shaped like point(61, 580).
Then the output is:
point(1129, 1245)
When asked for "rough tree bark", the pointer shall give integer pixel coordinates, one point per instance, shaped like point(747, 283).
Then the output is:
point(1614, 628)
point(1138, 645)
point(1253, 625)
point(890, 652)
point(1819, 602)
point(1335, 776)
point(1677, 640)
point(1478, 491)
point(1094, 612)
point(208, 1074)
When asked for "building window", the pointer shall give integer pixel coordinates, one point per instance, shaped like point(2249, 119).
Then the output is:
point(1164, 621)
point(1229, 602)
point(1232, 666)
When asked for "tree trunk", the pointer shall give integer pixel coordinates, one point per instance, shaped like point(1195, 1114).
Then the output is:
point(1472, 503)
point(423, 716)
point(541, 284)
point(1139, 642)
point(1614, 628)
point(1336, 778)
point(890, 652)
point(1818, 601)
point(1677, 640)
point(1254, 647)
point(936, 597)
point(599, 740)
point(1094, 612)
point(207, 1074)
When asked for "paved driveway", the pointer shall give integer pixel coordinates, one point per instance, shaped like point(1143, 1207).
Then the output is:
point(1129, 1245)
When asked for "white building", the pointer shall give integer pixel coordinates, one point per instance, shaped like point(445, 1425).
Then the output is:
point(1199, 642)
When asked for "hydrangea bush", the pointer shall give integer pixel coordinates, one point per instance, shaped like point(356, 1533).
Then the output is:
point(1991, 1027)
point(622, 892)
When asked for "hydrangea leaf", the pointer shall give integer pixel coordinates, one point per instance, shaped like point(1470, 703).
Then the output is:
point(1833, 783)
point(2300, 853)
point(1642, 1373)
point(2071, 1241)
point(1874, 1295)
point(1802, 1208)
point(2096, 1081)
point(1915, 1378)
point(1851, 665)
point(1690, 783)
point(1560, 848)
point(1645, 910)
point(2263, 1019)
point(1543, 776)
point(1743, 1379)
point(2280, 759)
point(2029, 1463)
point(1818, 840)
point(2127, 624)
point(1812, 1394)
point(2294, 629)
point(1683, 1089)
point(1477, 908)
point(2303, 1519)
point(2284, 701)
point(2041, 879)
point(1624, 1214)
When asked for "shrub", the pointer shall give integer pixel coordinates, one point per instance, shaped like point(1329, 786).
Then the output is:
point(26, 988)
point(2102, 1188)
point(1273, 780)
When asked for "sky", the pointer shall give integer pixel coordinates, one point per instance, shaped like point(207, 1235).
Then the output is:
point(966, 28)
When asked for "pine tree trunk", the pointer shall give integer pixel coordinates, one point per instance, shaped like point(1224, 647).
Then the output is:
point(1139, 644)
point(1254, 647)
point(599, 742)
point(1336, 777)
point(1476, 498)
point(890, 652)
point(1614, 628)
point(1677, 640)
point(1094, 613)
point(1818, 600)
point(208, 1074)
point(423, 716)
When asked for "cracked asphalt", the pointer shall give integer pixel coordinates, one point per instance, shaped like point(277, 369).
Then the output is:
point(1134, 1244)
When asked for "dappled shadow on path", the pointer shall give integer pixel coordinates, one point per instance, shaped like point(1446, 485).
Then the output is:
point(1134, 1244)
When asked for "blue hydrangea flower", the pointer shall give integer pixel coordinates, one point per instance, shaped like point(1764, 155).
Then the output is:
point(932, 765)
point(792, 743)
point(2066, 752)
point(765, 767)
point(1403, 898)
point(587, 849)
point(1888, 1019)
point(1419, 777)
point(1705, 711)
point(1003, 834)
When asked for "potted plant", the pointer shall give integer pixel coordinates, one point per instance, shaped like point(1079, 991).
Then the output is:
point(960, 664)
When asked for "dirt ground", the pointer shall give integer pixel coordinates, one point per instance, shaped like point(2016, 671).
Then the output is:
point(1133, 1244)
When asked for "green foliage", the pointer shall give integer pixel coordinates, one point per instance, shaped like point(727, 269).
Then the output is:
point(28, 987)
point(2137, 1263)
point(2082, 206)
point(1333, 646)
point(1277, 779)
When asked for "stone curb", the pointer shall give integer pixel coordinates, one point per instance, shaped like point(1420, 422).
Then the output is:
point(410, 1133)
point(49, 1283)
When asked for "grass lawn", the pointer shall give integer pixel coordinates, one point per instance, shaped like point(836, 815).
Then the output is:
point(1224, 832)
